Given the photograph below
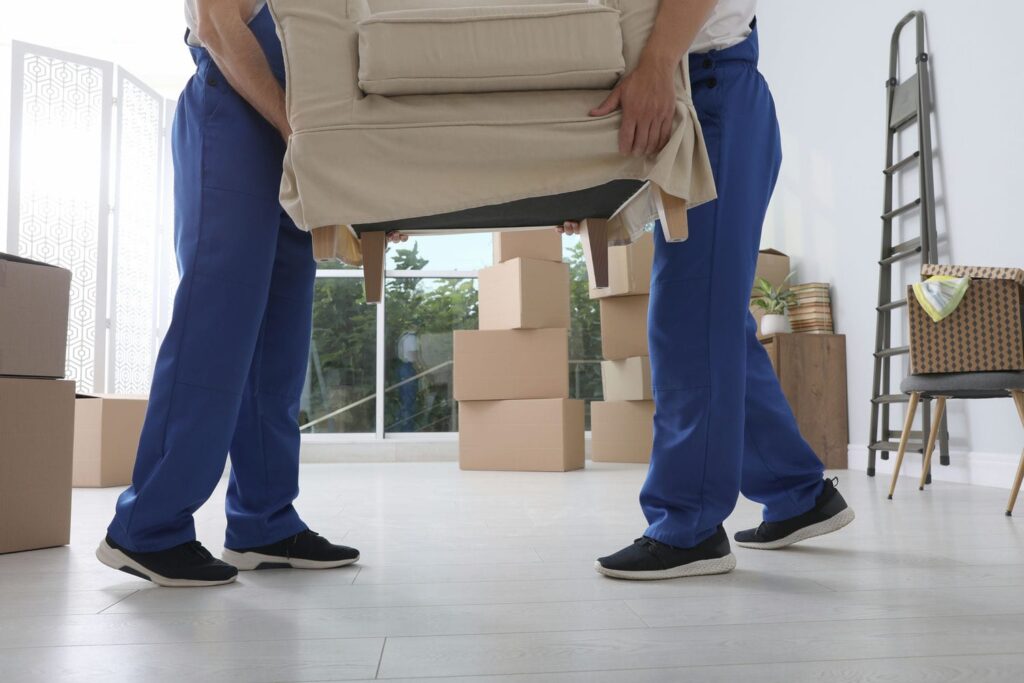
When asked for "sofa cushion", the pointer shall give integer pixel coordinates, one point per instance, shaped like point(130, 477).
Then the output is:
point(566, 46)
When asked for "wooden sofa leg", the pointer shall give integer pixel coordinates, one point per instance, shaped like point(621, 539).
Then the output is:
point(908, 425)
point(374, 246)
point(1018, 398)
point(325, 243)
point(594, 234)
point(926, 466)
point(672, 214)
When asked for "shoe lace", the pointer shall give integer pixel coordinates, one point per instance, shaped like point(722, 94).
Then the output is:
point(196, 548)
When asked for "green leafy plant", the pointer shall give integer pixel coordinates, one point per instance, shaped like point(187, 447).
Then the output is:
point(774, 300)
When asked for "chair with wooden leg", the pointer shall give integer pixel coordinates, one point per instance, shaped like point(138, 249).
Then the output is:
point(942, 387)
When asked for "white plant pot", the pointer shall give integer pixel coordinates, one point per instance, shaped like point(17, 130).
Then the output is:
point(774, 323)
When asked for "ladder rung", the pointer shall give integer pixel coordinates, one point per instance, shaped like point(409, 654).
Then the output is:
point(902, 251)
point(892, 305)
point(893, 446)
point(902, 163)
point(894, 351)
point(901, 210)
point(891, 398)
point(914, 434)
point(904, 122)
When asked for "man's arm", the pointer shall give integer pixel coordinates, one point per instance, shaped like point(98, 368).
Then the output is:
point(647, 96)
point(224, 31)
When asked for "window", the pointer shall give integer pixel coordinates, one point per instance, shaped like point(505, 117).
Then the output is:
point(387, 370)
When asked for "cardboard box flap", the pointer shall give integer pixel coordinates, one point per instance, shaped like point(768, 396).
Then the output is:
point(976, 272)
point(21, 259)
point(115, 397)
point(773, 252)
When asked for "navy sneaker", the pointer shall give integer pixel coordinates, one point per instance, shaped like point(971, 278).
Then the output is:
point(304, 550)
point(648, 560)
point(188, 564)
point(830, 513)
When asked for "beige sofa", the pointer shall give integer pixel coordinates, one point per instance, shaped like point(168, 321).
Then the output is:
point(434, 115)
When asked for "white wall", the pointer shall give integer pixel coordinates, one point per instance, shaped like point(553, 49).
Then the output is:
point(827, 63)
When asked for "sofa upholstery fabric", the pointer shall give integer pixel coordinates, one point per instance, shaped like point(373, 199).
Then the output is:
point(357, 158)
point(568, 46)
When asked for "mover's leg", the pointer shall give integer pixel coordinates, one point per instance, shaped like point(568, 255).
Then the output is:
point(325, 244)
point(672, 213)
point(1018, 398)
point(374, 245)
point(594, 233)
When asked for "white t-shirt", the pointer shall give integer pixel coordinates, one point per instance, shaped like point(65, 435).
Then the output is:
point(728, 25)
point(192, 19)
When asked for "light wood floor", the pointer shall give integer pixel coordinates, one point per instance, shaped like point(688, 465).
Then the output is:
point(489, 576)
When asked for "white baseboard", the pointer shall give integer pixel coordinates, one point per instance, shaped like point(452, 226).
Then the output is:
point(444, 448)
point(965, 467)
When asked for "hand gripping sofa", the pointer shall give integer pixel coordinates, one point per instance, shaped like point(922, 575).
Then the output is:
point(446, 115)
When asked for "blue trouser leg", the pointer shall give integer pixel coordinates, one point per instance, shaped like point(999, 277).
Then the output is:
point(721, 422)
point(228, 368)
point(265, 447)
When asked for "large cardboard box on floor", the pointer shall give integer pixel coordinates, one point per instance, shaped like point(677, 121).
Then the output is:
point(107, 430)
point(524, 294)
point(544, 245)
point(33, 317)
point(628, 379)
point(511, 364)
point(533, 435)
point(37, 422)
point(774, 266)
point(621, 431)
point(629, 269)
point(984, 332)
point(624, 327)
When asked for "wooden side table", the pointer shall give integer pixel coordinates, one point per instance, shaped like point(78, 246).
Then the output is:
point(812, 371)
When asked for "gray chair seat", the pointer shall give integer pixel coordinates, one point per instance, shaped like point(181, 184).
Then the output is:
point(964, 385)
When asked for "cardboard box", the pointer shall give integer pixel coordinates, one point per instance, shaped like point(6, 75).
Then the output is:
point(536, 436)
point(624, 327)
point(621, 431)
point(983, 334)
point(524, 294)
point(629, 269)
point(107, 430)
point(774, 266)
point(33, 317)
point(511, 364)
point(543, 245)
point(627, 380)
point(37, 423)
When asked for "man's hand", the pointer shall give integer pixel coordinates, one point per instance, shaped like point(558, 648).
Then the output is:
point(647, 98)
point(568, 228)
point(224, 31)
point(397, 238)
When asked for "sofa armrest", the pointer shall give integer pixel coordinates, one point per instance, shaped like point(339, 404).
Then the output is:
point(328, 58)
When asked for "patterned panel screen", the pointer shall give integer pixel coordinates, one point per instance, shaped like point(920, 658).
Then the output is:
point(137, 234)
point(61, 210)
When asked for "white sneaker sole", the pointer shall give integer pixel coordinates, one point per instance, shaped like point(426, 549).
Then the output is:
point(115, 559)
point(719, 565)
point(250, 561)
point(834, 523)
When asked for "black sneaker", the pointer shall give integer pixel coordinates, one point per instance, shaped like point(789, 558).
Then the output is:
point(304, 550)
point(647, 559)
point(188, 564)
point(830, 513)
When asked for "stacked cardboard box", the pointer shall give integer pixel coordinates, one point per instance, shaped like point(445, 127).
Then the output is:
point(812, 312)
point(512, 375)
point(622, 424)
point(37, 407)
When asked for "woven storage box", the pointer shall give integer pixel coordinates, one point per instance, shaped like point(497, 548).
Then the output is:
point(983, 334)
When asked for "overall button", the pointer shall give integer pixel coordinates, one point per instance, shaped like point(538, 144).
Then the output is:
point(707, 63)
point(712, 82)
point(211, 81)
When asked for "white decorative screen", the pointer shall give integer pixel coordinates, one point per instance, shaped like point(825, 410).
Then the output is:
point(94, 197)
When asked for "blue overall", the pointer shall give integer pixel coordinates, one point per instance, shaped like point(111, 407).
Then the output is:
point(230, 371)
point(722, 425)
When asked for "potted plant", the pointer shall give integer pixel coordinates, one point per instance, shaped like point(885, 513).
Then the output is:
point(774, 301)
